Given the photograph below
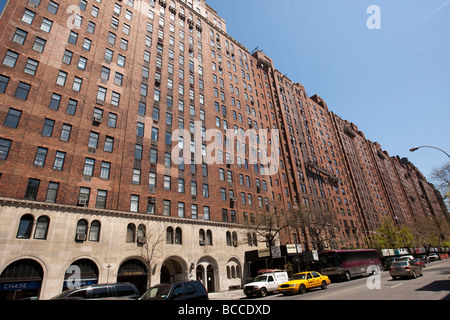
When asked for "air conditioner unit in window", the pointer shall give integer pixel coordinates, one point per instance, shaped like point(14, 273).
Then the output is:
point(81, 237)
point(141, 240)
point(97, 120)
point(83, 202)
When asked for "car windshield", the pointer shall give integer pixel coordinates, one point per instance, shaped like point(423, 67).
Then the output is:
point(260, 279)
point(300, 276)
point(158, 292)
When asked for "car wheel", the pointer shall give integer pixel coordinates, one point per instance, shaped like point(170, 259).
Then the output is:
point(414, 276)
point(263, 292)
point(347, 276)
point(421, 272)
point(324, 285)
point(302, 289)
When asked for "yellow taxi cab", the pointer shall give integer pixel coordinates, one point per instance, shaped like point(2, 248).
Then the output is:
point(302, 281)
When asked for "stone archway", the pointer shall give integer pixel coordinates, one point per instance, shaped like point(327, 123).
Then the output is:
point(21, 279)
point(173, 269)
point(207, 271)
point(134, 271)
point(80, 273)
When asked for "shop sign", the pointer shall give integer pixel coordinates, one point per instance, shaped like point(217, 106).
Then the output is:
point(20, 285)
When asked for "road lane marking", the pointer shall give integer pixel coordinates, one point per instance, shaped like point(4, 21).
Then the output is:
point(398, 285)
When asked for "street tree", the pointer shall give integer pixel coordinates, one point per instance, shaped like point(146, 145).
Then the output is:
point(151, 243)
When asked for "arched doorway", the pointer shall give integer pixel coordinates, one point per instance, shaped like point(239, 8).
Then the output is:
point(134, 271)
point(82, 272)
point(21, 279)
point(206, 271)
point(173, 269)
point(210, 279)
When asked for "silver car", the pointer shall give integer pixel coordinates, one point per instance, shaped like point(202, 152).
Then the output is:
point(405, 269)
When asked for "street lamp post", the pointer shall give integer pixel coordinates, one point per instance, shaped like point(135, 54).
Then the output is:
point(415, 149)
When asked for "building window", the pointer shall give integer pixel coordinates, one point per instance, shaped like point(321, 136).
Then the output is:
point(59, 160)
point(83, 197)
point(134, 204)
point(52, 192)
point(62, 77)
point(94, 231)
point(105, 169)
point(28, 16)
point(39, 44)
point(5, 145)
point(25, 227)
point(10, 58)
point(166, 207)
point(41, 229)
point(20, 36)
point(169, 235)
point(88, 167)
point(131, 233)
point(180, 209)
point(23, 89)
point(81, 232)
point(41, 155)
point(31, 67)
point(206, 212)
point(32, 189)
point(65, 132)
point(13, 117)
point(3, 83)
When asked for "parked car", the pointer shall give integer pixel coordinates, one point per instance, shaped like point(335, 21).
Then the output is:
point(184, 290)
point(100, 292)
point(405, 258)
point(433, 257)
point(388, 262)
point(419, 262)
point(424, 257)
point(265, 283)
point(303, 281)
point(405, 269)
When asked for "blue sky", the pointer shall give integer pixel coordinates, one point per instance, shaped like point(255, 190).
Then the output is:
point(393, 83)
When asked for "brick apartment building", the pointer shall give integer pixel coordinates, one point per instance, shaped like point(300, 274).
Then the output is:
point(91, 95)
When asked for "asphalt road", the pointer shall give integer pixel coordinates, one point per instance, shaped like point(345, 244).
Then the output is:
point(434, 285)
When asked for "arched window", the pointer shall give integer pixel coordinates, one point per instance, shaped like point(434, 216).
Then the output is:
point(228, 238)
point(178, 236)
point(94, 232)
point(209, 240)
point(255, 239)
point(141, 234)
point(131, 233)
point(169, 235)
point(235, 239)
point(41, 228)
point(201, 237)
point(82, 227)
point(25, 227)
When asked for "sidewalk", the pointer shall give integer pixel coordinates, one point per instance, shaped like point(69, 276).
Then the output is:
point(227, 295)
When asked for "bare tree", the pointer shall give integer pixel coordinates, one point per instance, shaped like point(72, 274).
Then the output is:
point(317, 220)
point(441, 177)
point(267, 224)
point(151, 245)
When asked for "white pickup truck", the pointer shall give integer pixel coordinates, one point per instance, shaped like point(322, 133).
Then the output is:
point(265, 283)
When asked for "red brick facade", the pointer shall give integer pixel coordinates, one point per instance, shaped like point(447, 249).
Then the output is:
point(95, 103)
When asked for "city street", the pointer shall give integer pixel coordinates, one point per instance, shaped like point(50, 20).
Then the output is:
point(434, 285)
